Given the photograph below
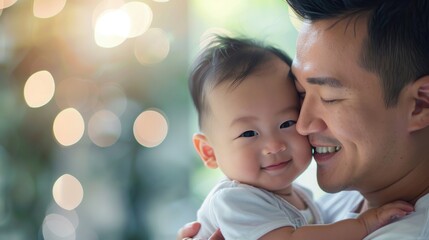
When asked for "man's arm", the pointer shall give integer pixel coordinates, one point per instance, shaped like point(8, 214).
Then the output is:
point(345, 229)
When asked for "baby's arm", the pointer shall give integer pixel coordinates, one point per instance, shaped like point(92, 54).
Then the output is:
point(349, 229)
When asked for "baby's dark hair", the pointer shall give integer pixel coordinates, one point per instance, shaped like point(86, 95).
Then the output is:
point(227, 59)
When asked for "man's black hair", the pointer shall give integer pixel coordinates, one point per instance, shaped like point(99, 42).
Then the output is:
point(397, 45)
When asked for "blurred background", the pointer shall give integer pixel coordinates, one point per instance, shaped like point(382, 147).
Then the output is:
point(95, 116)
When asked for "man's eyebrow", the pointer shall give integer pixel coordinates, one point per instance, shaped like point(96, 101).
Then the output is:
point(331, 82)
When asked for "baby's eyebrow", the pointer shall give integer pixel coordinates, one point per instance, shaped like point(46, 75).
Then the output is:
point(243, 119)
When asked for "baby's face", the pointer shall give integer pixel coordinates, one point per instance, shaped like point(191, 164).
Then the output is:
point(252, 129)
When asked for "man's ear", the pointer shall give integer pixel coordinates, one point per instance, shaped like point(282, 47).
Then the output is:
point(205, 150)
point(420, 114)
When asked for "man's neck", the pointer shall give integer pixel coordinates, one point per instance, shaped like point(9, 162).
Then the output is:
point(410, 188)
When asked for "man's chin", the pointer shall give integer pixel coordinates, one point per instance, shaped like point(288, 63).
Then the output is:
point(330, 187)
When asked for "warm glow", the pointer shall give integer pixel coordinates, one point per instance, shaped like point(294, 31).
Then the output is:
point(7, 3)
point(152, 47)
point(56, 226)
point(67, 192)
point(150, 128)
point(112, 28)
point(68, 127)
point(140, 15)
point(294, 19)
point(47, 8)
point(39, 89)
point(104, 128)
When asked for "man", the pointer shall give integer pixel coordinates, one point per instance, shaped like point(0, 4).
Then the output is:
point(362, 68)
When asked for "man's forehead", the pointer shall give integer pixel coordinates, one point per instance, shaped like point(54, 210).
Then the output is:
point(326, 53)
point(321, 80)
point(293, 70)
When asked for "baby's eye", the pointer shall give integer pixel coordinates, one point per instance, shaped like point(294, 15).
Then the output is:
point(288, 124)
point(249, 134)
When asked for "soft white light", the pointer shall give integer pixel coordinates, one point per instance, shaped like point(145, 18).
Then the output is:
point(104, 128)
point(47, 8)
point(68, 127)
point(140, 15)
point(39, 89)
point(67, 192)
point(150, 128)
point(7, 3)
point(112, 28)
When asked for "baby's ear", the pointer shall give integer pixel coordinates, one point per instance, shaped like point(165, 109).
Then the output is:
point(420, 113)
point(205, 150)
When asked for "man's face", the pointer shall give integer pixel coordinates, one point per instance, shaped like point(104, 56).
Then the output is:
point(357, 139)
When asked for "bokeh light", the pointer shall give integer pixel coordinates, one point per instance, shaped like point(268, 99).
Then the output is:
point(150, 128)
point(68, 127)
point(112, 28)
point(56, 227)
point(152, 47)
point(47, 8)
point(104, 5)
point(67, 192)
point(71, 215)
point(92, 123)
point(140, 15)
point(104, 128)
point(7, 3)
point(39, 89)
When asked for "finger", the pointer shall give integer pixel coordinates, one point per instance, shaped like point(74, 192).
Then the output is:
point(188, 231)
point(400, 205)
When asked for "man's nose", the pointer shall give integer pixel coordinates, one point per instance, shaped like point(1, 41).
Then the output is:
point(311, 118)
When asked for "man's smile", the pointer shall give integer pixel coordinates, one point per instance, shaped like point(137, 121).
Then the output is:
point(326, 149)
